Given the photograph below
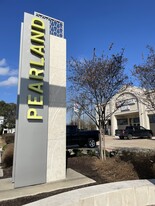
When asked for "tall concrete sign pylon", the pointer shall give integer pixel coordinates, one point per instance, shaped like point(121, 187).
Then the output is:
point(40, 139)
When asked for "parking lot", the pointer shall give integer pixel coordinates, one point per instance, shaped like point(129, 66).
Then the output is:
point(115, 142)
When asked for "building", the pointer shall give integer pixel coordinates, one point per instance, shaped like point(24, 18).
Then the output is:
point(130, 110)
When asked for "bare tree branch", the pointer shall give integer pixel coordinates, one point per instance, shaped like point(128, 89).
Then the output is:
point(145, 74)
point(94, 82)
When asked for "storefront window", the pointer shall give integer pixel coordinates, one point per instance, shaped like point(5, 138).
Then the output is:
point(136, 120)
point(122, 121)
point(152, 118)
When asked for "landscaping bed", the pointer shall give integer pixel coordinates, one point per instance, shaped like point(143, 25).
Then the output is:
point(126, 164)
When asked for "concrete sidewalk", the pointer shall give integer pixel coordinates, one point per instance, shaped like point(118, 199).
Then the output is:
point(73, 179)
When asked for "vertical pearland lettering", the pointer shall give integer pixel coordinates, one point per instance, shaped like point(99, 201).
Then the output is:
point(38, 50)
point(37, 36)
point(36, 87)
point(41, 63)
point(35, 74)
point(36, 71)
point(37, 24)
point(35, 100)
point(33, 115)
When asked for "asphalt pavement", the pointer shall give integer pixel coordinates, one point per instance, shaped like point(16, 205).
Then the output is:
point(112, 142)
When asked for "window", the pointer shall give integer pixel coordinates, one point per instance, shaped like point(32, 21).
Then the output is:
point(109, 122)
point(152, 118)
point(122, 121)
point(136, 120)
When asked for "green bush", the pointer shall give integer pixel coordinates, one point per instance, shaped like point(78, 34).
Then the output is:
point(1, 130)
point(77, 152)
point(4, 147)
point(2, 142)
point(92, 153)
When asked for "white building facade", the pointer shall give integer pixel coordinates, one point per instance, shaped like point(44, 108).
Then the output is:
point(129, 110)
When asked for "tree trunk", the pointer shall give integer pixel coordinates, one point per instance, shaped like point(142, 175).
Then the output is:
point(79, 122)
point(102, 147)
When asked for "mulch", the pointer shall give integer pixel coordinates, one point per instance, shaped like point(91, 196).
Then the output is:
point(111, 170)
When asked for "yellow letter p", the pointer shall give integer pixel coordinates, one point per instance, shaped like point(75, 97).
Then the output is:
point(32, 115)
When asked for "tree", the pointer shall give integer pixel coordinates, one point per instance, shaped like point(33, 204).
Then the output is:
point(93, 83)
point(8, 111)
point(145, 73)
point(79, 118)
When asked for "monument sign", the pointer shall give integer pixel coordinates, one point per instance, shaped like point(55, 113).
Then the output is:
point(40, 138)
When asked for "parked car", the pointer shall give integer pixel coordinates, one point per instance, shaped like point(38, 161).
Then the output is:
point(133, 131)
point(79, 137)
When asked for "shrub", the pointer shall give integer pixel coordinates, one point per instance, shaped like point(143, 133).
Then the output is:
point(1, 130)
point(7, 155)
point(9, 138)
point(77, 152)
point(93, 153)
point(2, 142)
point(4, 147)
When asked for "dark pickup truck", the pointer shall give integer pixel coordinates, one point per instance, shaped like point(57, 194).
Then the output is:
point(81, 137)
point(133, 131)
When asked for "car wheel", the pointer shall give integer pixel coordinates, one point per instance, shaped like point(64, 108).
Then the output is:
point(121, 137)
point(129, 136)
point(91, 143)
